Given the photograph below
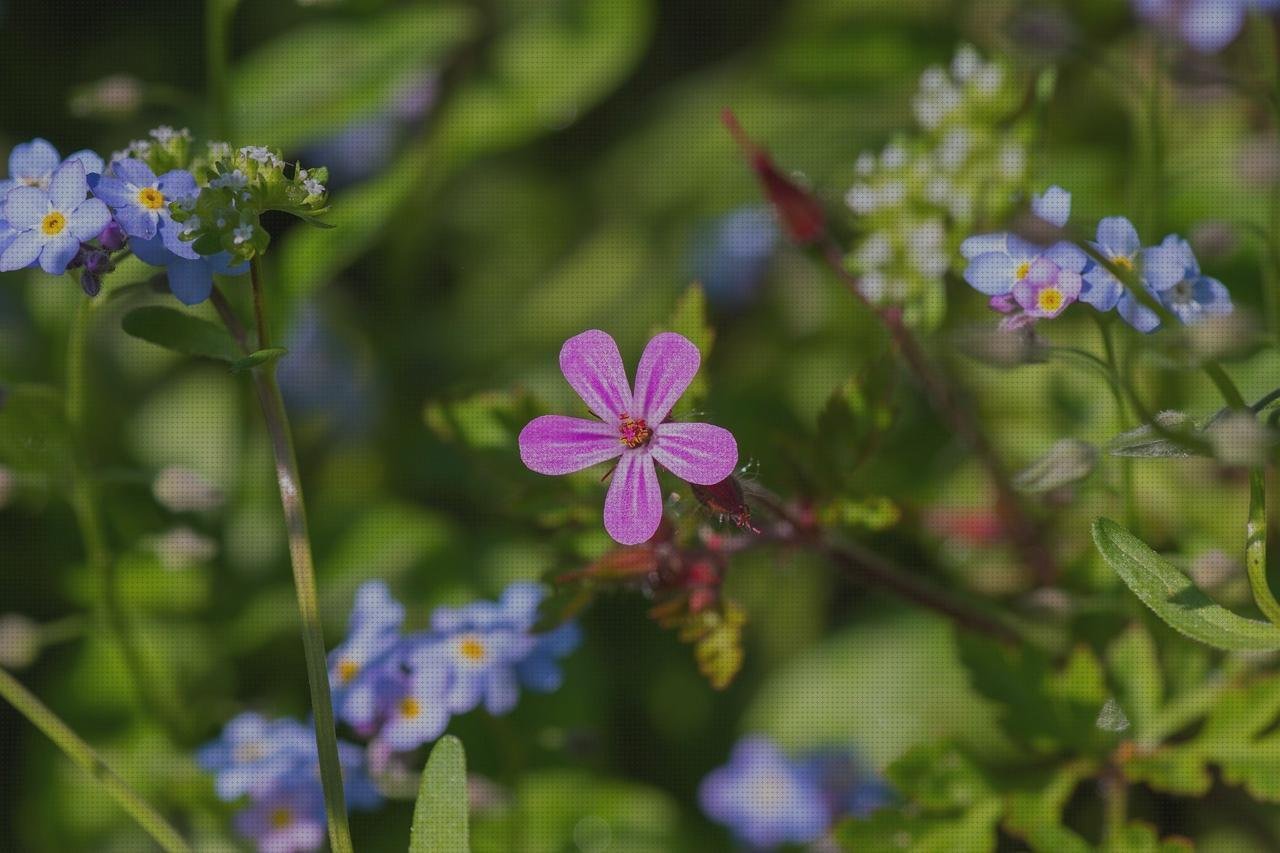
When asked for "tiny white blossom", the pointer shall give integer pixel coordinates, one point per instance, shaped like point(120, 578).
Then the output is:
point(313, 187)
point(861, 199)
point(876, 250)
point(235, 180)
point(933, 78)
point(989, 80)
point(893, 157)
point(164, 133)
point(966, 63)
point(865, 164)
point(219, 150)
point(242, 235)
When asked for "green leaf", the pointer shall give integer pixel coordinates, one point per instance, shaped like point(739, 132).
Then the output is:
point(440, 817)
point(1146, 443)
point(180, 332)
point(35, 437)
point(1174, 598)
point(1035, 816)
point(689, 318)
point(1143, 838)
point(1047, 708)
point(1068, 461)
point(1134, 666)
point(551, 65)
point(327, 75)
point(938, 777)
point(895, 830)
point(258, 359)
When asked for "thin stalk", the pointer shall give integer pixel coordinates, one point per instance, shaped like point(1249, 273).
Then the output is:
point(39, 715)
point(304, 577)
point(1122, 416)
point(1255, 547)
point(85, 504)
point(217, 27)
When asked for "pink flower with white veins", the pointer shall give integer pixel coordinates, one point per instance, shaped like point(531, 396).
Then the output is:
point(632, 425)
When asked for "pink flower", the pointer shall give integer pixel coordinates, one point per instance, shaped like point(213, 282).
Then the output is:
point(632, 425)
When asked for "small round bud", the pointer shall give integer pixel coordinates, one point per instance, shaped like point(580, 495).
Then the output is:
point(180, 489)
point(19, 641)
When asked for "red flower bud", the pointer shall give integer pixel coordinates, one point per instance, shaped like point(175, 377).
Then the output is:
point(800, 213)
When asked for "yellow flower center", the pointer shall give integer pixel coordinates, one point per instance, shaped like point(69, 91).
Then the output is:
point(53, 223)
point(280, 818)
point(151, 198)
point(1124, 262)
point(472, 649)
point(1049, 299)
point(1021, 272)
point(347, 670)
point(410, 707)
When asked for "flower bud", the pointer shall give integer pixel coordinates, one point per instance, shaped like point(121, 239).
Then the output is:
point(112, 237)
point(90, 283)
point(19, 641)
point(800, 213)
point(180, 489)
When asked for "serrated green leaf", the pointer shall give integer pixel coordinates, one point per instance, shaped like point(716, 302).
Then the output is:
point(1068, 461)
point(1143, 838)
point(938, 777)
point(896, 830)
point(180, 332)
point(1174, 598)
point(1044, 707)
point(440, 817)
point(1036, 816)
point(327, 75)
point(258, 359)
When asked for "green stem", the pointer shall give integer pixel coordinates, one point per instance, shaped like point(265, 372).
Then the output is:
point(85, 506)
point(217, 26)
point(304, 578)
point(39, 715)
point(1122, 416)
point(1255, 547)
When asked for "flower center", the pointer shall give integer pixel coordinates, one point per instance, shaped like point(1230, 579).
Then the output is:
point(1021, 272)
point(151, 198)
point(1124, 262)
point(471, 648)
point(347, 670)
point(53, 223)
point(280, 818)
point(40, 182)
point(410, 707)
point(634, 432)
point(1049, 299)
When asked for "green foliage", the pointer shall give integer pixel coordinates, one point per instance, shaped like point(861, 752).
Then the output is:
point(327, 75)
point(440, 817)
point(181, 332)
point(1067, 462)
point(258, 358)
point(1174, 598)
point(689, 318)
point(35, 437)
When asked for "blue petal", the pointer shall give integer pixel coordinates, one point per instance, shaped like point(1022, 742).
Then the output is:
point(68, 187)
point(1210, 25)
point(33, 160)
point(137, 222)
point(1102, 289)
point(92, 163)
point(88, 219)
point(114, 192)
point(1136, 314)
point(169, 231)
point(177, 184)
point(993, 273)
point(190, 281)
point(135, 172)
point(58, 252)
point(22, 252)
point(152, 252)
point(1118, 237)
point(221, 265)
point(1054, 206)
point(981, 244)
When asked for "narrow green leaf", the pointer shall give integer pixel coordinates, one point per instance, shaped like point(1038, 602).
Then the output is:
point(1145, 442)
point(180, 332)
point(440, 818)
point(258, 359)
point(1174, 598)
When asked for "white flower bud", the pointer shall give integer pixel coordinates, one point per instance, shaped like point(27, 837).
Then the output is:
point(861, 199)
point(19, 641)
point(966, 62)
point(180, 489)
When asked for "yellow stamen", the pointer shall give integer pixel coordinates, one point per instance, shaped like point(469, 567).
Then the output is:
point(410, 707)
point(53, 223)
point(1050, 299)
point(472, 649)
point(1125, 263)
point(280, 818)
point(1021, 272)
point(151, 198)
point(347, 670)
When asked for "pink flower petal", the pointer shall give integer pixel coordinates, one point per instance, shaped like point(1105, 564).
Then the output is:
point(696, 453)
point(668, 365)
point(593, 366)
point(633, 507)
point(555, 444)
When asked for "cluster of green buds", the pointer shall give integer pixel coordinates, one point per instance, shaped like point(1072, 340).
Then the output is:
point(238, 186)
point(919, 197)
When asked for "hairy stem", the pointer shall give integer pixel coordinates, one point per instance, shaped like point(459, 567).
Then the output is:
point(304, 578)
point(1255, 547)
point(39, 715)
point(1122, 416)
point(1024, 533)
point(217, 30)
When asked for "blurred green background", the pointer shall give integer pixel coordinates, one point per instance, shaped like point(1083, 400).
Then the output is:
point(506, 175)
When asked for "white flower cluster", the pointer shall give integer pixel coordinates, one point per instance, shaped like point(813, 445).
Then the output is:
point(918, 197)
